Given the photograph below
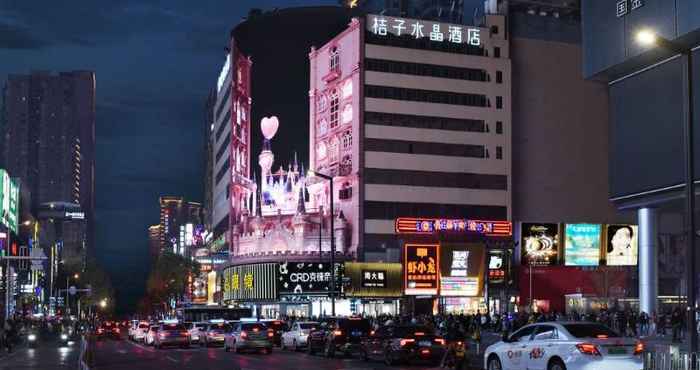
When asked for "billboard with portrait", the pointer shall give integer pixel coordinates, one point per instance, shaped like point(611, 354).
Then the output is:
point(421, 269)
point(621, 246)
point(582, 244)
point(462, 269)
point(540, 244)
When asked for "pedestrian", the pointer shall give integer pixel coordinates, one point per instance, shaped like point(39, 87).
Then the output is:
point(643, 324)
point(8, 330)
point(676, 321)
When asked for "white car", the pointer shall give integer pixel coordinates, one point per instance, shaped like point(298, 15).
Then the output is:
point(139, 332)
point(297, 336)
point(150, 338)
point(565, 346)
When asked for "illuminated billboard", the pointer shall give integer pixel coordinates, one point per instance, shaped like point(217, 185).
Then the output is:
point(582, 244)
point(9, 201)
point(462, 270)
point(421, 264)
point(411, 225)
point(250, 282)
point(621, 245)
point(308, 278)
point(540, 244)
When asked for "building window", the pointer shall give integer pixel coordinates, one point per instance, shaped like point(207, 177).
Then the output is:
point(347, 89)
point(494, 30)
point(333, 150)
point(427, 122)
point(334, 109)
point(496, 52)
point(321, 150)
point(322, 103)
point(347, 113)
point(347, 140)
point(499, 152)
point(421, 69)
point(428, 96)
point(499, 77)
point(417, 147)
point(499, 102)
point(322, 127)
point(334, 59)
point(499, 127)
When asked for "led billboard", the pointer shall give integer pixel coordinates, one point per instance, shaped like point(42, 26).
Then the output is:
point(462, 269)
point(582, 244)
point(621, 245)
point(9, 201)
point(421, 264)
point(540, 244)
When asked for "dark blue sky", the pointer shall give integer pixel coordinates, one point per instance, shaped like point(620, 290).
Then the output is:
point(154, 63)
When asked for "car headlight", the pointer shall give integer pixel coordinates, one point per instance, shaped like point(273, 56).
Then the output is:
point(64, 337)
point(31, 337)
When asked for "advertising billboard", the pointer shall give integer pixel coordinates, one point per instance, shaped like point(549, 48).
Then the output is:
point(582, 244)
point(308, 278)
point(250, 282)
point(540, 244)
point(462, 269)
point(421, 269)
point(621, 246)
point(373, 279)
point(410, 225)
point(497, 267)
point(9, 201)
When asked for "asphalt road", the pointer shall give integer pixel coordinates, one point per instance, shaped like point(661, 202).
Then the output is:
point(47, 355)
point(126, 355)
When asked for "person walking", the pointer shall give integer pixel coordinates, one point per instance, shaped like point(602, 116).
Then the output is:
point(676, 322)
point(9, 337)
point(643, 324)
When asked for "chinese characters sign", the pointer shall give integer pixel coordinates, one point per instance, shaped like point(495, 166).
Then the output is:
point(439, 32)
point(9, 201)
point(461, 269)
point(421, 264)
point(374, 278)
point(307, 277)
point(250, 282)
point(623, 7)
point(407, 225)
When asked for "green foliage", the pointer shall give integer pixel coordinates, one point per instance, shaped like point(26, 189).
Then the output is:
point(95, 276)
point(169, 278)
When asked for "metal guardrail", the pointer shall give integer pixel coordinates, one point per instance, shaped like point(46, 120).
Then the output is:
point(671, 361)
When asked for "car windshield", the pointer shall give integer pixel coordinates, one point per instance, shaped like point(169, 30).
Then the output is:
point(354, 325)
point(188, 325)
point(411, 331)
point(277, 325)
point(202, 326)
point(154, 328)
point(220, 328)
point(253, 327)
point(308, 326)
point(590, 331)
point(173, 327)
point(143, 326)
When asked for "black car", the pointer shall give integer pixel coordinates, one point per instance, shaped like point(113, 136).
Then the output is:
point(339, 334)
point(278, 327)
point(404, 344)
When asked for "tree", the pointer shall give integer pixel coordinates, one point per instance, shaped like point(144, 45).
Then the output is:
point(101, 286)
point(169, 279)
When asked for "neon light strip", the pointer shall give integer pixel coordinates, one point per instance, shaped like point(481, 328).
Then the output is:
point(408, 225)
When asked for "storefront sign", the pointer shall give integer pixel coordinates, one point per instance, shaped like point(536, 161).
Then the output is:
point(582, 245)
point(623, 7)
point(421, 269)
point(621, 247)
point(540, 244)
point(250, 282)
point(307, 278)
point(75, 215)
point(461, 269)
point(374, 278)
point(497, 267)
point(9, 201)
point(440, 32)
point(409, 225)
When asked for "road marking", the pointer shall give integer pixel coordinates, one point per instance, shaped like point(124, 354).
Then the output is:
point(171, 359)
point(140, 346)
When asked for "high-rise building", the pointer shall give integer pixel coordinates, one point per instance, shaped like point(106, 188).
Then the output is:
point(452, 11)
point(178, 221)
point(413, 119)
point(209, 160)
point(154, 241)
point(49, 139)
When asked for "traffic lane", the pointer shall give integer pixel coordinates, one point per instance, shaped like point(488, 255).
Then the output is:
point(125, 355)
point(46, 355)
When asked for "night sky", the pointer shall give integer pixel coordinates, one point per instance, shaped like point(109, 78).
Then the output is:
point(155, 62)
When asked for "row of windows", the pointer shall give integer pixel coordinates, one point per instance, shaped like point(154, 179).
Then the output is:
point(408, 41)
point(429, 96)
point(223, 125)
point(421, 69)
point(428, 122)
point(417, 147)
point(391, 210)
point(222, 150)
point(224, 102)
point(222, 172)
point(435, 179)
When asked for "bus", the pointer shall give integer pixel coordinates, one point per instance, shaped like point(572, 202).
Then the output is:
point(206, 313)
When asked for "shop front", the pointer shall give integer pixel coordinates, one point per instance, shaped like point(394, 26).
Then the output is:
point(253, 286)
point(305, 289)
point(445, 263)
point(373, 288)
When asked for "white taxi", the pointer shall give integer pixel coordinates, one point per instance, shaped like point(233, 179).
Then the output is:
point(565, 346)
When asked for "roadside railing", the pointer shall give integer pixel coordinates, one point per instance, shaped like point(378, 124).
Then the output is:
point(671, 361)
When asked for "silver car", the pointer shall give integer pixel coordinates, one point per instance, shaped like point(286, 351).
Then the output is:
point(298, 335)
point(172, 334)
point(253, 336)
point(214, 334)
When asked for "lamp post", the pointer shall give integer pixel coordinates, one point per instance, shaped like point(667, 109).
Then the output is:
point(330, 180)
point(650, 38)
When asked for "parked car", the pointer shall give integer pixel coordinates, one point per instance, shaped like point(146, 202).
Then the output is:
point(151, 335)
point(140, 331)
point(297, 336)
point(404, 344)
point(342, 334)
point(278, 327)
point(172, 334)
point(214, 334)
point(249, 336)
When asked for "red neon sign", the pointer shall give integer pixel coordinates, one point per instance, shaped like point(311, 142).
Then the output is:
point(421, 269)
point(410, 225)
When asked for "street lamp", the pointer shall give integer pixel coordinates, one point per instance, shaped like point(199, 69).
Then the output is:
point(103, 303)
point(649, 38)
point(332, 236)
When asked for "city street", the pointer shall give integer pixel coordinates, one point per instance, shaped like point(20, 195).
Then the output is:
point(48, 355)
point(126, 355)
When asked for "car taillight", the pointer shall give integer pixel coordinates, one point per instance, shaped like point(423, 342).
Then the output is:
point(337, 333)
point(418, 333)
point(184, 333)
point(244, 335)
point(440, 341)
point(425, 351)
point(404, 342)
point(162, 335)
point(270, 333)
point(639, 348)
point(100, 330)
point(588, 349)
point(371, 332)
point(255, 330)
point(116, 330)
